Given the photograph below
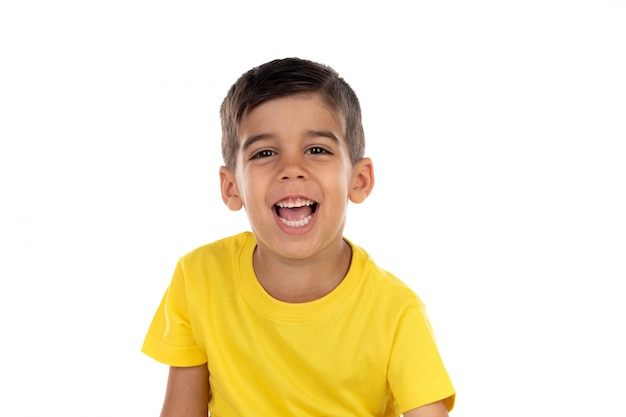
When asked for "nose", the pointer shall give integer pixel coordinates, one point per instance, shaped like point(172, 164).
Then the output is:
point(292, 167)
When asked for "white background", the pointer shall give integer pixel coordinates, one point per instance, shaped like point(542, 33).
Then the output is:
point(498, 133)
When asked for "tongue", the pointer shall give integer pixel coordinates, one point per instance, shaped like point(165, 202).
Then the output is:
point(295, 213)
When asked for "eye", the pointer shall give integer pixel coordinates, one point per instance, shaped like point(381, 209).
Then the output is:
point(317, 150)
point(264, 153)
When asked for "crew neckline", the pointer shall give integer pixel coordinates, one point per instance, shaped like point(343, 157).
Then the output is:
point(310, 310)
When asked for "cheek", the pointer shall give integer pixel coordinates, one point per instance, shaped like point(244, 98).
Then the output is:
point(251, 192)
point(340, 186)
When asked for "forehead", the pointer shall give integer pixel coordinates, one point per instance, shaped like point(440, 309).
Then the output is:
point(301, 110)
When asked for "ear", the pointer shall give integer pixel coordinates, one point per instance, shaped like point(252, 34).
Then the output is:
point(362, 180)
point(230, 191)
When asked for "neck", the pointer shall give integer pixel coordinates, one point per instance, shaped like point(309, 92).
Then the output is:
point(302, 280)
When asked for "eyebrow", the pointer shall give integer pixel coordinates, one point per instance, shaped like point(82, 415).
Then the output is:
point(310, 134)
point(324, 134)
point(249, 141)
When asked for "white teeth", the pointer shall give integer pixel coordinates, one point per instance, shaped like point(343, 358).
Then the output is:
point(294, 203)
point(297, 223)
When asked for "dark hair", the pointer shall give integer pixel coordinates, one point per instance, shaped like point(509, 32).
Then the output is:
point(285, 77)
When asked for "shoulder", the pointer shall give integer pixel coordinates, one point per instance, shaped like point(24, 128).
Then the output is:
point(216, 261)
point(385, 284)
point(226, 248)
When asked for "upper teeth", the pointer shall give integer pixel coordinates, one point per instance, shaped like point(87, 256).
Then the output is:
point(295, 203)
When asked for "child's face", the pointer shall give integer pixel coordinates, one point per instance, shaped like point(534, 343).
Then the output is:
point(294, 176)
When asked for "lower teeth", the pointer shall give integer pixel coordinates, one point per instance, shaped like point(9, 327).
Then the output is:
point(297, 223)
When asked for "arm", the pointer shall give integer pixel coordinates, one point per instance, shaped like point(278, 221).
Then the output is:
point(187, 393)
point(436, 409)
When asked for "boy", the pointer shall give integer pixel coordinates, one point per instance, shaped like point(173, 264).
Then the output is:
point(293, 319)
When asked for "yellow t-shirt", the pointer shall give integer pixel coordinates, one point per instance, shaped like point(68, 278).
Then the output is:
point(365, 349)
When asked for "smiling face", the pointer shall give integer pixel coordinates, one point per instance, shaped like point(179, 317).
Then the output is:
point(294, 177)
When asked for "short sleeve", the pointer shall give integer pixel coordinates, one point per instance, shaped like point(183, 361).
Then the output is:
point(416, 374)
point(170, 338)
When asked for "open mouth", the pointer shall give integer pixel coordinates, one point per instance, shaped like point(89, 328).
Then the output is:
point(295, 212)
